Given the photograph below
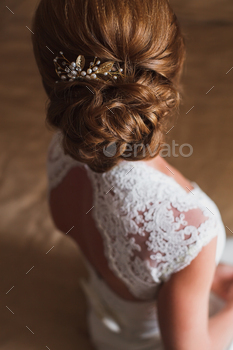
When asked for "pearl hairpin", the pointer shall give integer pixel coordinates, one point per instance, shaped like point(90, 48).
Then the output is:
point(73, 70)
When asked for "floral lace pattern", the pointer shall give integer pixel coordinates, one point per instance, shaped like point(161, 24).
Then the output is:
point(151, 227)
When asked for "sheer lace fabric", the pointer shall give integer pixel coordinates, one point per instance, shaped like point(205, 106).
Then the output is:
point(151, 227)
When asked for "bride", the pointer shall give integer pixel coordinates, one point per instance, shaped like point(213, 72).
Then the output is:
point(152, 240)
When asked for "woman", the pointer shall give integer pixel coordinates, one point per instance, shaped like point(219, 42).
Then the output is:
point(151, 239)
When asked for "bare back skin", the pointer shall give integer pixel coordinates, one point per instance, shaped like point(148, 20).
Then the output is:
point(72, 199)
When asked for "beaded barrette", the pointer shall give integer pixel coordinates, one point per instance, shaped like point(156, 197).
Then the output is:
point(70, 71)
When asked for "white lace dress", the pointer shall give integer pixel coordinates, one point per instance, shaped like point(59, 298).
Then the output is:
point(151, 227)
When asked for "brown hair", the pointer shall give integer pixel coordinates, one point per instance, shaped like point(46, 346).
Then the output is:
point(143, 38)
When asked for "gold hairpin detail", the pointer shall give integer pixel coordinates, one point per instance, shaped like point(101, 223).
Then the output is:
point(70, 71)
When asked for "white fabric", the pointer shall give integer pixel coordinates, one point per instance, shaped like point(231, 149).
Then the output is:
point(138, 327)
point(151, 227)
point(117, 324)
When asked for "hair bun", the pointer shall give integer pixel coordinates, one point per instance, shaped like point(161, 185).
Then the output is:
point(99, 121)
point(130, 112)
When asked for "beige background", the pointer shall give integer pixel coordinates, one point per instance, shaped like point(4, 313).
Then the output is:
point(47, 299)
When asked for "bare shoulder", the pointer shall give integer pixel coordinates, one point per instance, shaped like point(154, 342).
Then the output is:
point(163, 166)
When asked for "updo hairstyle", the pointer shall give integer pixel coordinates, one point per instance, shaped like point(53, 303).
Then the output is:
point(143, 37)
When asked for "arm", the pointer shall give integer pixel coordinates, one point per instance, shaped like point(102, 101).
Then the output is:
point(222, 284)
point(183, 305)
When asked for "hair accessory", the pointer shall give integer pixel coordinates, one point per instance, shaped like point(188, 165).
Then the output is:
point(70, 71)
